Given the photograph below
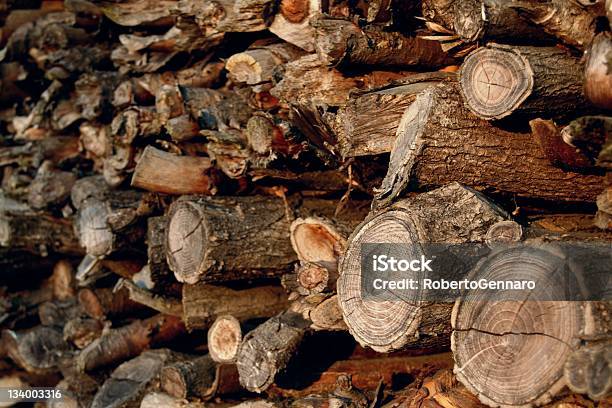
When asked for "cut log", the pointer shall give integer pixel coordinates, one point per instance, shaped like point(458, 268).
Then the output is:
point(427, 138)
point(587, 370)
point(157, 276)
point(268, 349)
point(574, 23)
point(327, 315)
point(339, 41)
point(229, 16)
point(164, 172)
point(222, 239)
point(129, 382)
point(603, 219)
point(50, 187)
point(598, 72)
point(202, 304)
point(498, 80)
point(38, 350)
point(82, 331)
point(492, 20)
point(199, 377)
point(256, 65)
point(451, 214)
point(57, 312)
point(163, 304)
point(361, 132)
point(591, 136)
point(224, 338)
point(319, 241)
point(102, 303)
point(120, 344)
point(292, 22)
point(520, 330)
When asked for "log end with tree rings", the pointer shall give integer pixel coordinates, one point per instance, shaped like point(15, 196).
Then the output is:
point(495, 80)
point(503, 232)
point(382, 324)
point(511, 350)
point(224, 338)
point(316, 240)
point(186, 245)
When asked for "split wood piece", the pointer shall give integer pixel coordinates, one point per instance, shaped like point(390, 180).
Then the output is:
point(344, 395)
point(440, 390)
point(129, 382)
point(266, 350)
point(340, 41)
point(367, 373)
point(135, 121)
point(451, 214)
point(318, 241)
point(216, 109)
point(156, 275)
point(202, 304)
point(256, 65)
point(22, 228)
point(292, 22)
point(169, 103)
point(224, 338)
point(199, 377)
point(38, 350)
point(268, 136)
point(139, 13)
point(327, 86)
point(107, 220)
point(587, 370)
point(102, 303)
point(182, 128)
point(311, 278)
point(493, 20)
point(202, 236)
point(603, 219)
point(592, 137)
point(168, 173)
point(82, 331)
point(116, 345)
point(161, 399)
point(228, 16)
point(163, 304)
point(521, 330)
point(557, 150)
point(327, 315)
point(57, 149)
point(597, 72)
point(574, 23)
point(368, 123)
point(440, 12)
point(498, 80)
point(437, 126)
point(57, 312)
point(50, 187)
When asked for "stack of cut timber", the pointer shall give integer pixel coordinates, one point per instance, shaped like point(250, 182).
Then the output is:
point(186, 186)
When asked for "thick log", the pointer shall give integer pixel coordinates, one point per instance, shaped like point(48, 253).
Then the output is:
point(203, 243)
point(451, 214)
point(268, 349)
point(521, 330)
point(164, 172)
point(129, 382)
point(292, 22)
point(597, 72)
point(360, 133)
point(120, 344)
point(498, 80)
point(199, 377)
point(492, 20)
point(224, 338)
point(339, 41)
point(256, 65)
point(438, 126)
point(575, 23)
point(38, 350)
point(156, 275)
point(202, 304)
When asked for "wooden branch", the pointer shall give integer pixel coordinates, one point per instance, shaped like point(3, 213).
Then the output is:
point(342, 42)
point(201, 243)
point(202, 304)
point(199, 377)
point(597, 72)
point(128, 341)
point(229, 16)
point(267, 350)
point(292, 22)
point(163, 304)
point(256, 65)
point(103, 303)
point(224, 338)
point(426, 138)
point(360, 132)
point(82, 331)
point(130, 381)
point(163, 172)
point(534, 81)
point(319, 241)
point(38, 350)
point(449, 214)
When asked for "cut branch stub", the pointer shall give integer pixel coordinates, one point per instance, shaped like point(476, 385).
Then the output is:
point(224, 338)
point(495, 81)
point(498, 344)
point(317, 240)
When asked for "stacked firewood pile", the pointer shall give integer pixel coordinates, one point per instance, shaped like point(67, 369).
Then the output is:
point(186, 186)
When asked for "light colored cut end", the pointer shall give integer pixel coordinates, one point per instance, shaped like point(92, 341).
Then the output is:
point(224, 338)
point(316, 240)
point(186, 243)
